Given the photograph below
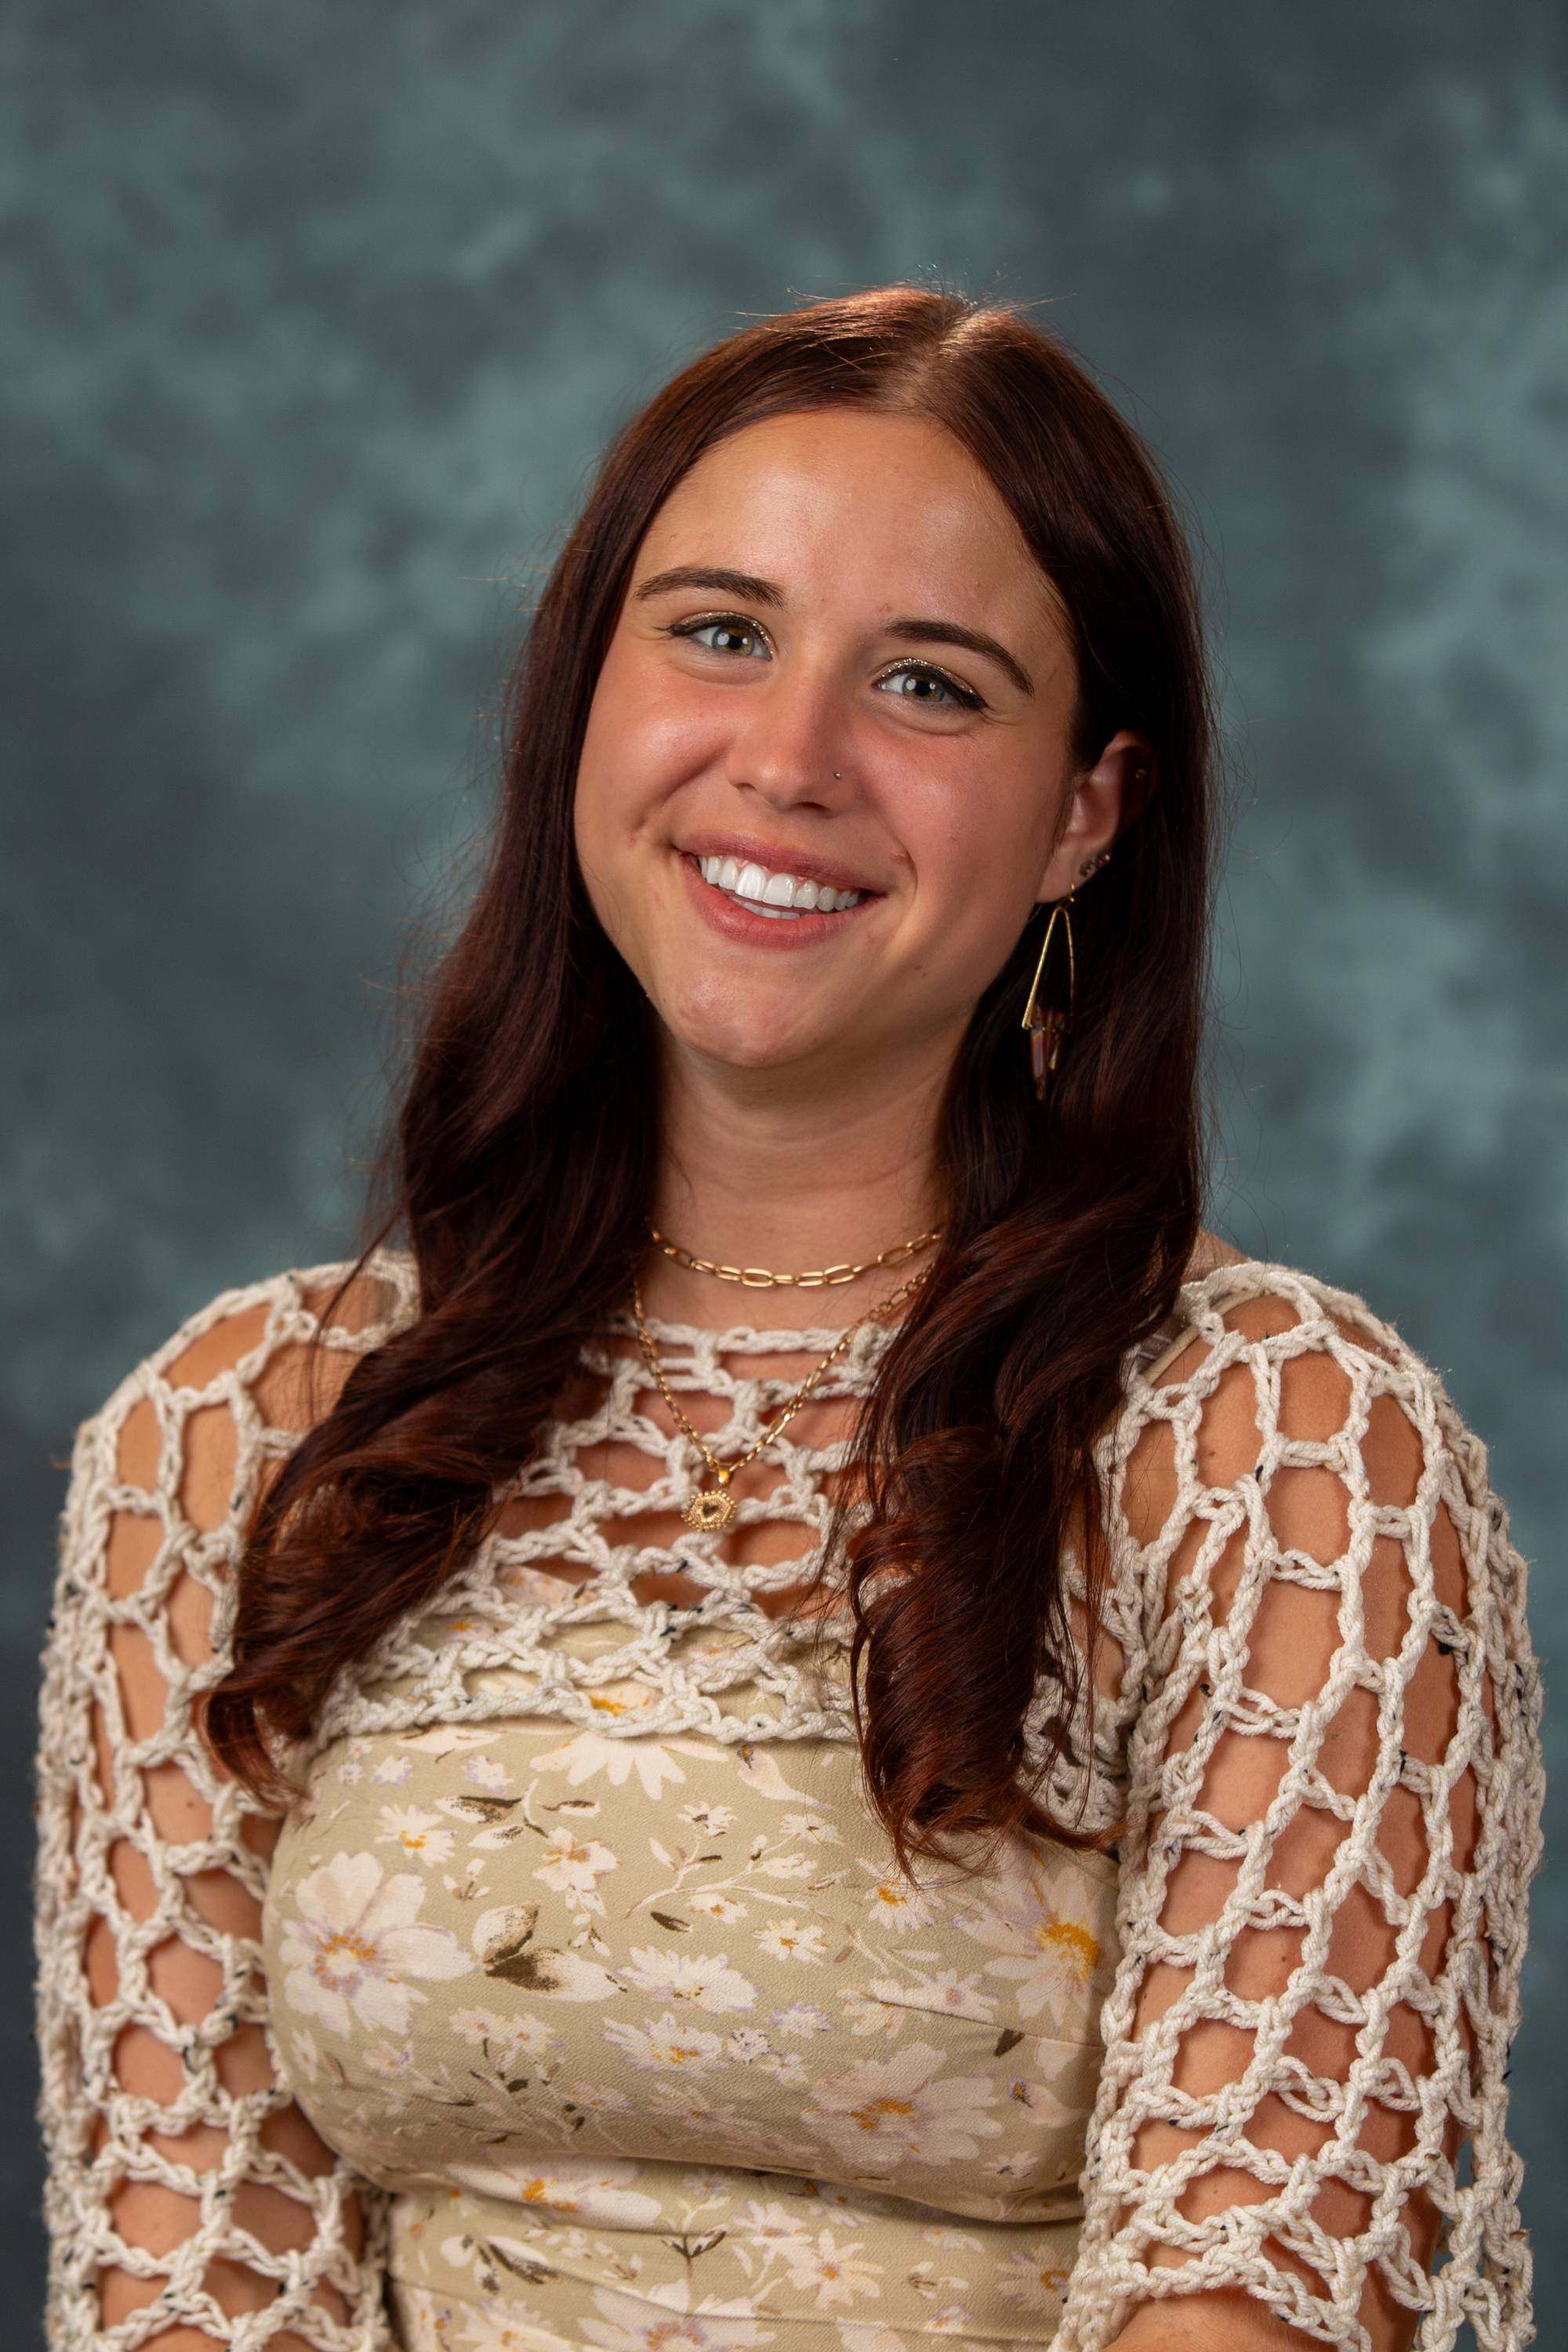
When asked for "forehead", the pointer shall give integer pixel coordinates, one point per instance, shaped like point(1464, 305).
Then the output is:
point(859, 507)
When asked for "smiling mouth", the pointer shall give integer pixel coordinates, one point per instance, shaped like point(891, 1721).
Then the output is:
point(781, 895)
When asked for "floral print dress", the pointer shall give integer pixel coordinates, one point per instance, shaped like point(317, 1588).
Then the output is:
point(656, 2047)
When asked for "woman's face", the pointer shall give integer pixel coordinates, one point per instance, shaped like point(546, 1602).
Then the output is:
point(838, 670)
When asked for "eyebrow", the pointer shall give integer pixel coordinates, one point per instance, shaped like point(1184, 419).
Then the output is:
point(706, 575)
point(753, 591)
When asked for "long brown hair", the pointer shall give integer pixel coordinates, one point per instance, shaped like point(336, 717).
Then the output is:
point(523, 1157)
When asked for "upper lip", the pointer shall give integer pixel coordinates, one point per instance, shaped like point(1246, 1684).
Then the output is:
point(773, 857)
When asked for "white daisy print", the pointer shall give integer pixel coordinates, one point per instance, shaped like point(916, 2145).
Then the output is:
point(864, 2016)
point(792, 1939)
point(670, 2045)
point(802, 2017)
point(304, 2054)
point(1048, 1934)
point(784, 2066)
point(706, 1980)
point(486, 1772)
point(714, 1820)
point(598, 2099)
point(590, 1753)
point(527, 2037)
point(699, 2116)
point(598, 2194)
point(420, 1834)
point(772, 2224)
point(665, 2322)
point(393, 1771)
point(834, 2272)
point(353, 1943)
point(1033, 2277)
point(942, 1989)
point(706, 2186)
point(722, 1907)
point(573, 1866)
point(897, 1902)
point(885, 2110)
point(480, 2026)
point(811, 1825)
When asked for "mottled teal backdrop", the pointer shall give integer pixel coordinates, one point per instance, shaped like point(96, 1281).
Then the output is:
point(317, 316)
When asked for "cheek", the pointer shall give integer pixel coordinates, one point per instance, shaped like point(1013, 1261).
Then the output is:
point(645, 735)
point(979, 845)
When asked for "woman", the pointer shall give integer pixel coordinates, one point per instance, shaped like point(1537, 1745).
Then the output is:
point(994, 1799)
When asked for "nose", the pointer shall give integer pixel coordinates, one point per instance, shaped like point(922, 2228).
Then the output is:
point(792, 748)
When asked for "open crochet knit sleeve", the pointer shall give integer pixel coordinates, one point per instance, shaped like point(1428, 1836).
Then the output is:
point(189, 2201)
point(1334, 1796)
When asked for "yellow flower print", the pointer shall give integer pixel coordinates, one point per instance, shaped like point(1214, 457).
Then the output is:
point(883, 2110)
point(420, 1834)
point(351, 1945)
point(792, 1939)
point(669, 2045)
point(834, 2271)
point(1049, 1930)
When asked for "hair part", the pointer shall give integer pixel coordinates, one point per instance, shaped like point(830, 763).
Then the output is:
point(521, 1163)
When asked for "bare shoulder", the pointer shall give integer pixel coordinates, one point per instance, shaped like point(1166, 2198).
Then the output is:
point(1226, 1293)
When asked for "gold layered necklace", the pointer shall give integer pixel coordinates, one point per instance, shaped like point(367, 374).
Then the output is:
point(822, 1277)
point(711, 1508)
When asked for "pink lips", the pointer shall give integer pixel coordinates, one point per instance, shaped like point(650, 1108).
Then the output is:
point(732, 920)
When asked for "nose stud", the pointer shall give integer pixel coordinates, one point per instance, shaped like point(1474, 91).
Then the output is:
point(837, 776)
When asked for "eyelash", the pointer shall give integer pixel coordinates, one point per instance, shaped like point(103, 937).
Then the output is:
point(965, 696)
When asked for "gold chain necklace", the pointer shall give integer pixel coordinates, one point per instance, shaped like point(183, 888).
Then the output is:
point(711, 1508)
point(758, 1277)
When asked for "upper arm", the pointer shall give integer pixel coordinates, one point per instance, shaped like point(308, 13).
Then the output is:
point(184, 2183)
point(1332, 1777)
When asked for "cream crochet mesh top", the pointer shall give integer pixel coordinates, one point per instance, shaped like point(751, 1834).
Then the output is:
point(1318, 1710)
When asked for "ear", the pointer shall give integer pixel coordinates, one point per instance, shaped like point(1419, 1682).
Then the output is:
point(1103, 799)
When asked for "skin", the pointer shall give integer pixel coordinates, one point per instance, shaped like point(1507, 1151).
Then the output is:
point(801, 1075)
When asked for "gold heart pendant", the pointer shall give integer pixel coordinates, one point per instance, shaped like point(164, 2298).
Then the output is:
point(710, 1509)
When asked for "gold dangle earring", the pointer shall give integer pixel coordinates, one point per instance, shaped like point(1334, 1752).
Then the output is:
point(1048, 1024)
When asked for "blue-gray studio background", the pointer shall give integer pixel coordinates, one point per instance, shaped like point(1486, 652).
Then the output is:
point(315, 319)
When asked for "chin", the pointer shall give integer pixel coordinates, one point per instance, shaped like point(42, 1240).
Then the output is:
point(722, 1027)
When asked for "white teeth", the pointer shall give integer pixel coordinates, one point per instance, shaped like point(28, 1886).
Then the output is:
point(779, 893)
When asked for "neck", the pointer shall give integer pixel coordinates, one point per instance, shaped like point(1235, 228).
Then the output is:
point(760, 1172)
